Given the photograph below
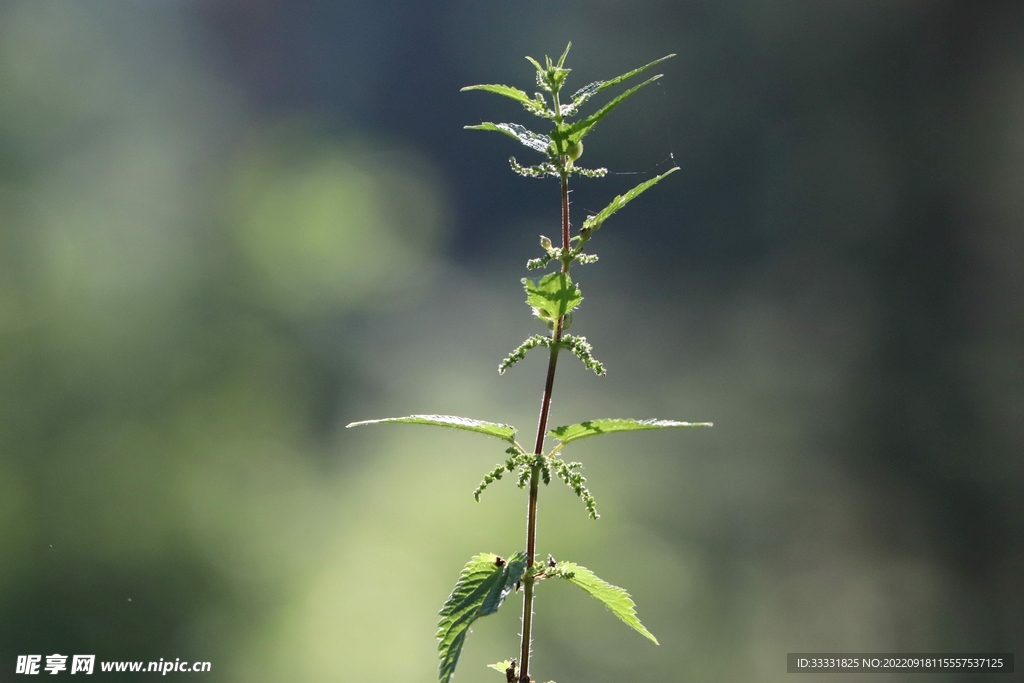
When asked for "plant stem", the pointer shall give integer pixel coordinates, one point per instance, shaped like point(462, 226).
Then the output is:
point(542, 423)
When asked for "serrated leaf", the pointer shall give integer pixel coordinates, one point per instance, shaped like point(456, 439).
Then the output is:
point(594, 222)
point(500, 666)
point(534, 141)
point(505, 90)
point(501, 431)
point(482, 587)
point(578, 130)
point(510, 92)
point(614, 598)
point(634, 72)
point(590, 428)
point(561, 60)
point(552, 296)
point(580, 97)
point(588, 91)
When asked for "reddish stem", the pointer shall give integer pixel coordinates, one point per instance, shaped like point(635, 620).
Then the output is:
point(542, 424)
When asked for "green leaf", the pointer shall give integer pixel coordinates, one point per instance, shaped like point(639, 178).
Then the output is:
point(561, 60)
point(506, 90)
point(581, 96)
point(590, 428)
point(630, 74)
point(534, 141)
point(552, 296)
point(578, 130)
point(588, 91)
point(516, 94)
point(614, 598)
point(552, 76)
point(501, 431)
point(483, 585)
point(501, 666)
point(594, 222)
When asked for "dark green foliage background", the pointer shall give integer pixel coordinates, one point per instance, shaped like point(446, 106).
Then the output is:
point(229, 228)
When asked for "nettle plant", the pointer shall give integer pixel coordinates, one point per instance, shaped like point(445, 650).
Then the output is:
point(489, 578)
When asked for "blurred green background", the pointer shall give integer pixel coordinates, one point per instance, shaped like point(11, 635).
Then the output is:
point(229, 228)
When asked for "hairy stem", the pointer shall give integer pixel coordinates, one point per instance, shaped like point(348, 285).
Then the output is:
point(542, 424)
